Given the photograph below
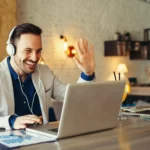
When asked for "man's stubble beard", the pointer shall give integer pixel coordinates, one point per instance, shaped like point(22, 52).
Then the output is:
point(22, 67)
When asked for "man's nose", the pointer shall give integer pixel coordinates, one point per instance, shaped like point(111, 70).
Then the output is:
point(34, 56)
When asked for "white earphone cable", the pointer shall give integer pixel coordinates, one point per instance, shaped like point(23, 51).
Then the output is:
point(26, 97)
point(30, 108)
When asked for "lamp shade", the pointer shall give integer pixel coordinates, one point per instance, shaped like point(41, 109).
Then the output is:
point(122, 68)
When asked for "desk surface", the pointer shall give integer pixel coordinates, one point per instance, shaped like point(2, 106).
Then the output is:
point(130, 134)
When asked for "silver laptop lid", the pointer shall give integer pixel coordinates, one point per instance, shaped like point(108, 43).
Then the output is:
point(90, 107)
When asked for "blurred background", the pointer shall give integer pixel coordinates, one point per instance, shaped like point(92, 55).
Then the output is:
point(96, 20)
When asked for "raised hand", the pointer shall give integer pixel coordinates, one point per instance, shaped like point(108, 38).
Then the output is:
point(86, 60)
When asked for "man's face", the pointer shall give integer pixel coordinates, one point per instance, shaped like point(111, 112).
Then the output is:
point(28, 53)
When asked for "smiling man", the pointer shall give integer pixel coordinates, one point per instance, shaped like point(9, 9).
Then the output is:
point(29, 52)
point(26, 87)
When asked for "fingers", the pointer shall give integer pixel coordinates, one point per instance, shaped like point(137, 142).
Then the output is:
point(36, 119)
point(79, 48)
point(30, 121)
point(32, 118)
point(21, 122)
point(82, 47)
point(85, 45)
point(91, 50)
point(85, 61)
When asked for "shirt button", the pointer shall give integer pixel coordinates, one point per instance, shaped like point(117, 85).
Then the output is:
point(22, 85)
point(24, 102)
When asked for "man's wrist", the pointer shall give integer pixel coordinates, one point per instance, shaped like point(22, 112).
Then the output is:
point(88, 77)
point(12, 120)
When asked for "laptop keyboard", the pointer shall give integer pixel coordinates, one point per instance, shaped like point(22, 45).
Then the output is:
point(54, 130)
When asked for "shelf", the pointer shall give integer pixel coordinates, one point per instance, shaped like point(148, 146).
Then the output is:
point(136, 50)
point(115, 48)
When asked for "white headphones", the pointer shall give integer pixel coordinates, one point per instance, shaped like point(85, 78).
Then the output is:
point(10, 47)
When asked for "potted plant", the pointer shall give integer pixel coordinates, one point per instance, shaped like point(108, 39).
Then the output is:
point(127, 36)
point(117, 36)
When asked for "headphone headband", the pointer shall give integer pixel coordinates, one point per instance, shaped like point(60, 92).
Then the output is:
point(10, 34)
point(10, 47)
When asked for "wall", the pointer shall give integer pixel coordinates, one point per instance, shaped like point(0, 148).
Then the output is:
point(7, 21)
point(96, 20)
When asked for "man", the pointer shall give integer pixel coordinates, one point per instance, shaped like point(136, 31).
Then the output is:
point(26, 87)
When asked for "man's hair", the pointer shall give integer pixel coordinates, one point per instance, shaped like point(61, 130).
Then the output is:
point(24, 29)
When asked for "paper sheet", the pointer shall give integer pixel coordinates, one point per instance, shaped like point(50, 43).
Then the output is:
point(19, 138)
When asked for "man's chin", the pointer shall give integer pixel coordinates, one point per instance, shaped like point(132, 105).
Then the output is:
point(29, 71)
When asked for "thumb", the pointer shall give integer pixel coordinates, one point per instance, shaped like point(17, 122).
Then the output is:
point(41, 117)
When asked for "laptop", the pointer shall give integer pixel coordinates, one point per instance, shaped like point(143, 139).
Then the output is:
point(87, 108)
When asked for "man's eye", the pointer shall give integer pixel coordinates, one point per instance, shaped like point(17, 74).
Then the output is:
point(28, 51)
point(39, 51)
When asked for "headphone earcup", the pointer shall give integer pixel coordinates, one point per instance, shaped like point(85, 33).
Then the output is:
point(10, 49)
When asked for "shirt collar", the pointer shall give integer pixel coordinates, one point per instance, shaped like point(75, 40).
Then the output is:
point(13, 73)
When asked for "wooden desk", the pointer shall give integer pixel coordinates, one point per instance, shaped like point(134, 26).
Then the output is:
point(130, 134)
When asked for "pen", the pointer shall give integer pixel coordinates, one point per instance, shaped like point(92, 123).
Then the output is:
point(119, 75)
point(115, 75)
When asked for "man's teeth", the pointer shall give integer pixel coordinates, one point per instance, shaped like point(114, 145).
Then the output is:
point(30, 63)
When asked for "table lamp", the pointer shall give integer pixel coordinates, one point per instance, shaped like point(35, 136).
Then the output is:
point(122, 69)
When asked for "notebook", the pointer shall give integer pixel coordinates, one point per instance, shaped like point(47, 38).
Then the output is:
point(87, 108)
point(142, 111)
point(137, 109)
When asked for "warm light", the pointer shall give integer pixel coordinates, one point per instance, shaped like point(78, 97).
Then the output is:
point(65, 46)
point(69, 50)
point(122, 68)
point(74, 51)
point(42, 61)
